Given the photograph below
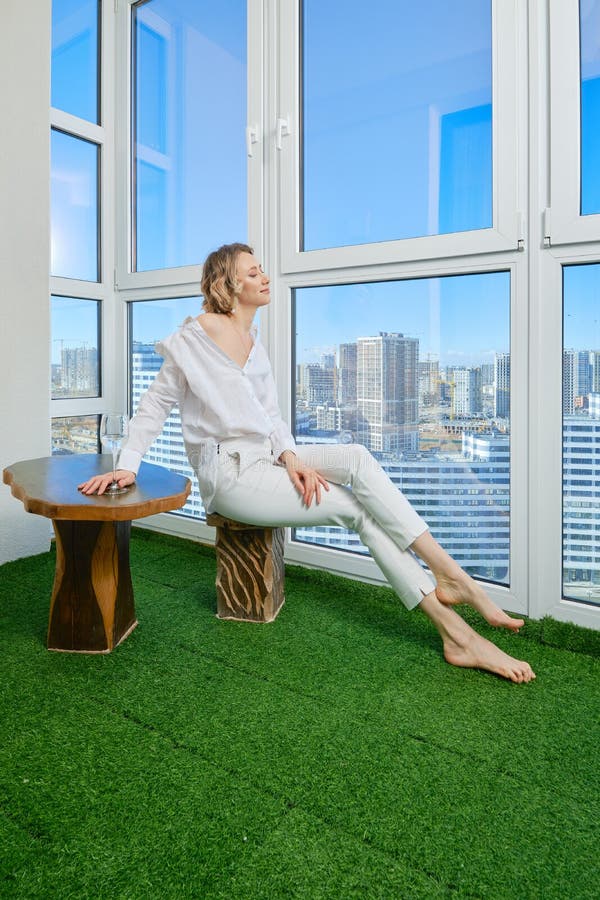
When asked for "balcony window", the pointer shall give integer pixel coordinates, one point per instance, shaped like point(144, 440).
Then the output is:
point(581, 426)
point(76, 49)
point(590, 106)
point(74, 207)
point(149, 322)
point(75, 434)
point(189, 121)
point(75, 367)
point(396, 140)
point(419, 372)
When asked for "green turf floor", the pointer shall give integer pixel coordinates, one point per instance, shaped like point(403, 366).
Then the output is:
point(331, 753)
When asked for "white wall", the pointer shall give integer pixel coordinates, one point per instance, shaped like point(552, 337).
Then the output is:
point(25, 30)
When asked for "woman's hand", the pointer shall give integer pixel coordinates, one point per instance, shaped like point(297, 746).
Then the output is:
point(307, 481)
point(99, 483)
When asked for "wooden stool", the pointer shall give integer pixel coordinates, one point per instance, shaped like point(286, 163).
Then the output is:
point(250, 570)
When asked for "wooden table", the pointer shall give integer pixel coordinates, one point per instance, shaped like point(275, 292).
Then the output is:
point(92, 607)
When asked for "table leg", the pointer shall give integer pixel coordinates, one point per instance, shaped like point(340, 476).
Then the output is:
point(92, 608)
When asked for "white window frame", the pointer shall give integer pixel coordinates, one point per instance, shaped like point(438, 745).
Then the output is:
point(184, 281)
point(563, 222)
point(515, 596)
point(509, 70)
point(546, 443)
point(111, 355)
point(536, 279)
point(125, 278)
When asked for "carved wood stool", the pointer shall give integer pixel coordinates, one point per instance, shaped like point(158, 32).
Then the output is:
point(250, 570)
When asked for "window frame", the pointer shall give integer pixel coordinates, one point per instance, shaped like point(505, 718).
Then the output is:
point(126, 278)
point(536, 282)
point(514, 596)
point(564, 223)
point(183, 281)
point(102, 135)
point(508, 71)
point(546, 443)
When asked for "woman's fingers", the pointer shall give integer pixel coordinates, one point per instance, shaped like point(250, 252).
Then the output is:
point(99, 483)
point(308, 483)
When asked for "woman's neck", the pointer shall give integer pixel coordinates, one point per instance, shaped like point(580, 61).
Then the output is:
point(243, 319)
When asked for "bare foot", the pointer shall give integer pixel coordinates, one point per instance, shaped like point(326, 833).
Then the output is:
point(464, 589)
point(478, 653)
point(464, 647)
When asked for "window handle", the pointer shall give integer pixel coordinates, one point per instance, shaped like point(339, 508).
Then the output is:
point(251, 138)
point(283, 129)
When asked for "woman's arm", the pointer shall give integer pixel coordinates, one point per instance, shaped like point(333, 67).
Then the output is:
point(153, 409)
point(281, 436)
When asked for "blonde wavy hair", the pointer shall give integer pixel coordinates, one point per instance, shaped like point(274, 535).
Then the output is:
point(219, 285)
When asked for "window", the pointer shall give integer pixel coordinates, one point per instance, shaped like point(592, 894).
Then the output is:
point(149, 321)
point(590, 106)
point(189, 121)
point(419, 372)
point(581, 425)
point(396, 143)
point(74, 207)
point(76, 27)
point(83, 377)
point(574, 121)
point(75, 434)
point(75, 348)
point(406, 153)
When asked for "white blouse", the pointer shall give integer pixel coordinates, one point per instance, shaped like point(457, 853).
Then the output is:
point(218, 400)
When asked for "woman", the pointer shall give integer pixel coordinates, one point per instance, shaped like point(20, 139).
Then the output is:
point(250, 469)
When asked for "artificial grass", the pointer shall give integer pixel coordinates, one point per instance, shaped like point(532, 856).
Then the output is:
point(330, 754)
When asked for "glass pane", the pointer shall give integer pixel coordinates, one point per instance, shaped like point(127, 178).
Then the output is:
point(74, 207)
point(75, 54)
point(189, 124)
point(75, 434)
point(581, 434)
point(152, 320)
point(75, 348)
point(419, 372)
point(590, 106)
point(397, 120)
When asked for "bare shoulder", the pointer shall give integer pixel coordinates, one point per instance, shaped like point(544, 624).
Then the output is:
point(213, 323)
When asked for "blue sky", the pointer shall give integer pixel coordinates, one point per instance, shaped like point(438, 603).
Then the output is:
point(396, 144)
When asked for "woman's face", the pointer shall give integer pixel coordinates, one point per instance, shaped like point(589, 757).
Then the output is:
point(254, 283)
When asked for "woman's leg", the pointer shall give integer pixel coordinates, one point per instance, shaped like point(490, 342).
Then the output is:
point(453, 585)
point(263, 494)
point(354, 465)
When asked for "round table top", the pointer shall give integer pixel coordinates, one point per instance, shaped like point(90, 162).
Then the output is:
point(48, 487)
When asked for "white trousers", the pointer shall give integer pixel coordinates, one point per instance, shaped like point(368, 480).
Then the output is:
point(252, 488)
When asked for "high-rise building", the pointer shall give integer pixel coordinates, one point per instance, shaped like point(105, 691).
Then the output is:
point(429, 381)
point(595, 371)
point(581, 501)
point(487, 374)
point(568, 377)
point(578, 377)
point(466, 396)
point(79, 372)
point(347, 375)
point(319, 384)
point(387, 392)
point(337, 418)
point(502, 385)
